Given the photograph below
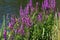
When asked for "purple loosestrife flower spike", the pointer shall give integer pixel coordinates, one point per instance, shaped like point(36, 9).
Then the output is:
point(26, 10)
point(23, 20)
point(18, 19)
point(21, 30)
point(30, 3)
point(32, 9)
point(31, 6)
point(36, 5)
point(45, 4)
point(40, 17)
point(11, 25)
point(13, 20)
point(5, 34)
point(48, 4)
point(28, 22)
point(21, 11)
point(52, 3)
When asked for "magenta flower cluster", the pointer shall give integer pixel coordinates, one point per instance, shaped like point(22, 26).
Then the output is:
point(5, 34)
point(48, 4)
point(25, 18)
point(12, 22)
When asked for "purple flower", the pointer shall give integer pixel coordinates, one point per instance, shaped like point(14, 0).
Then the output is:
point(21, 11)
point(30, 3)
point(23, 20)
point(52, 3)
point(21, 30)
point(46, 4)
point(11, 25)
point(28, 22)
point(40, 17)
point(18, 19)
point(13, 20)
point(36, 5)
point(31, 6)
point(5, 34)
point(26, 10)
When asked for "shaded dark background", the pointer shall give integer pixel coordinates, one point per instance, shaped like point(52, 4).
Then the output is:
point(12, 6)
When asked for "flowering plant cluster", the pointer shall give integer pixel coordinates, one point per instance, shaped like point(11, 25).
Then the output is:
point(32, 24)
